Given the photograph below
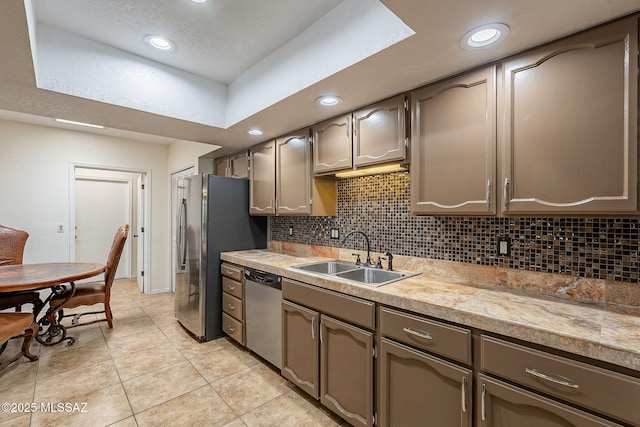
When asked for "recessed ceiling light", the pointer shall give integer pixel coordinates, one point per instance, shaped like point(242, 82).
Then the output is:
point(159, 42)
point(199, 1)
point(329, 100)
point(255, 132)
point(484, 36)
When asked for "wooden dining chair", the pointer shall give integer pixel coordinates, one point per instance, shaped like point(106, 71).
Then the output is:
point(14, 325)
point(94, 292)
point(12, 243)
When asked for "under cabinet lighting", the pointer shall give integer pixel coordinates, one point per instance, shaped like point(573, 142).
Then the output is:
point(372, 170)
point(71, 122)
point(484, 36)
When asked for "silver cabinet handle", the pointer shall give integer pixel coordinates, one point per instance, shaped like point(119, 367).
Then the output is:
point(231, 328)
point(313, 329)
point(321, 340)
point(232, 307)
point(229, 272)
point(506, 192)
point(347, 126)
point(546, 377)
point(421, 334)
point(482, 407)
point(231, 287)
point(464, 394)
point(488, 194)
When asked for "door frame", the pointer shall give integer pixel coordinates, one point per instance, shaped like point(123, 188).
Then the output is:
point(146, 203)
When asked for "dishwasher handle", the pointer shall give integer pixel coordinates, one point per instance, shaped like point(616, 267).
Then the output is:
point(263, 278)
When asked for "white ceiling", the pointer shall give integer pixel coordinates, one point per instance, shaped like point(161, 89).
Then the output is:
point(240, 64)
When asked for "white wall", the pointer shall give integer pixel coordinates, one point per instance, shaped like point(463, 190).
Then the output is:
point(184, 154)
point(34, 187)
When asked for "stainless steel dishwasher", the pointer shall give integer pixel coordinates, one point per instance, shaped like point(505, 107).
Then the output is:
point(263, 314)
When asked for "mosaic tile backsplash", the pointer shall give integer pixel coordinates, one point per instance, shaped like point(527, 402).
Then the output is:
point(602, 248)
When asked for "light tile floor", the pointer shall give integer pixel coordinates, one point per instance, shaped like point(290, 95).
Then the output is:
point(148, 371)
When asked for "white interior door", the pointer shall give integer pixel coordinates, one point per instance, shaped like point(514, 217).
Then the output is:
point(175, 198)
point(102, 206)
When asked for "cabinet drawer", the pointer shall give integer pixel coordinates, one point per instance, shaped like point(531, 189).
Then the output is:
point(232, 327)
point(572, 381)
point(232, 305)
point(232, 271)
point(436, 337)
point(345, 307)
point(232, 286)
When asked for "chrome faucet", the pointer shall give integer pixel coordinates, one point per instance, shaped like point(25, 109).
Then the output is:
point(366, 238)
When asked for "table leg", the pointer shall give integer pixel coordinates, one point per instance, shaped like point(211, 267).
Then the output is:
point(55, 332)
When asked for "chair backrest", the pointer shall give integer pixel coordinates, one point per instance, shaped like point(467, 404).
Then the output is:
point(12, 244)
point(114, 254)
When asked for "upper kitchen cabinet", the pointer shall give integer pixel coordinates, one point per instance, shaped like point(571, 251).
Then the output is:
point(372, 135)
point(232, 166)
point(379, 132)
point(454, 146)
point(570, 120)
point(281, 180)
point(262, 177)
point(332, 145)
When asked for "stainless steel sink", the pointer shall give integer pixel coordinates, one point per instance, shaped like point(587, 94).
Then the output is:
point(327, 267)
point(372, 276)
point(357, 273)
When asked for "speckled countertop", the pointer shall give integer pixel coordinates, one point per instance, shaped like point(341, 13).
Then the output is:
point(591, 330)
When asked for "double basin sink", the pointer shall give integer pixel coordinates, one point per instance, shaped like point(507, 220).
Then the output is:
point(370, 276)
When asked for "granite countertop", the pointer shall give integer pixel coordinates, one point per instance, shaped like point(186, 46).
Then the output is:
point(588, 330)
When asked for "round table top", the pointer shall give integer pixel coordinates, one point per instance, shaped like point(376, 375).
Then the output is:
point(38, 276)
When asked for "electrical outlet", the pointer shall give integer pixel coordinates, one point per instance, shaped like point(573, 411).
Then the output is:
point(335, 233)
point(60, 228)
point(290, 231)
point(504, 245)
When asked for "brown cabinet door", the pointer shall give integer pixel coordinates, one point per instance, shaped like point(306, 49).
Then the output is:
point(346, 371)
point(239, 165)
point(262, 188)
point(503, 405)
point(571, 124)
point(221, 166)
point(453, 146)
point(332, 145)
point(416, 389)
point(293, 174)
point(300, 351)
point(379, 132)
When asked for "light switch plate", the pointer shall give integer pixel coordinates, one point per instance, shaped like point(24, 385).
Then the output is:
point(290, 231)
point(335, 233)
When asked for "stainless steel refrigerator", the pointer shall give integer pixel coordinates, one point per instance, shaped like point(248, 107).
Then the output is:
point(213, 217)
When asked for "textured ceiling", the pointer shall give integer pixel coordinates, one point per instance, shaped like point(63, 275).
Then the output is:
point(218, 39)
point(432, 53)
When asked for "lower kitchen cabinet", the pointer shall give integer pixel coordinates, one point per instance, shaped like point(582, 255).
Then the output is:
point(300, 352)
point(232, 301)
point(346, 371)
point(503, 405)
point(417, 389)
point(325, 353)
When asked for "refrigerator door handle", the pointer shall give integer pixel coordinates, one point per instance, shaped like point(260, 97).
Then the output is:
point(182, 236)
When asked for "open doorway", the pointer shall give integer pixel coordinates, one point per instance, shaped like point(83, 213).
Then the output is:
point(102, 199)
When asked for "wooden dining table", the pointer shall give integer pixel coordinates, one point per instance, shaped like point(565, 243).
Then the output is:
point(60, 278)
